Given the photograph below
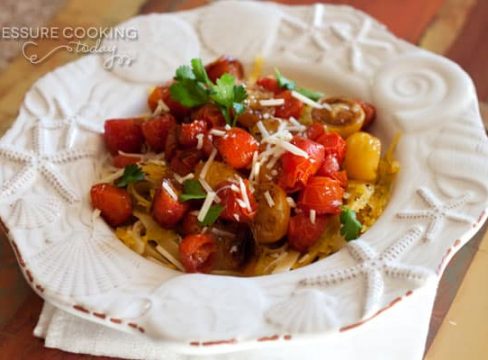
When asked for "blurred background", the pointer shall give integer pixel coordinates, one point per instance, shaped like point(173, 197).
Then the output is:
point(456, 29)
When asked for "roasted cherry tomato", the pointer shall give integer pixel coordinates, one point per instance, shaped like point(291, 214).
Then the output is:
point(162, 93)
point(225, 65)
point(269, 83)
point(315, 130)
point(121, 161)
point(322, 194)
point(298, 169)
point(343, 116)
point(291, 108)
point(236, 147)
point(302, 233)
point(209, 113)
point(188, 135)
point(341, 177)
point(235, 207)
point(271, 221)
point(156, 131)
point(333, 144)
point(185, 161)
point(197, 253)
point(330, 166)
point(363, 156)
point(165, 209)
point(190, 224)
point(124, 135)
point(171, 141)
point(114, 203)
point(369, 111)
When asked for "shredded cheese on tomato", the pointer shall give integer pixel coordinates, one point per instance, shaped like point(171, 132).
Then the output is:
point(166, 186)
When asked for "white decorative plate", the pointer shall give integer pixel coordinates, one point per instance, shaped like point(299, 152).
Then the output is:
point(54, 153)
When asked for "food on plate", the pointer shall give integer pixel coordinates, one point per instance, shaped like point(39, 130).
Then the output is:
point(242, 177)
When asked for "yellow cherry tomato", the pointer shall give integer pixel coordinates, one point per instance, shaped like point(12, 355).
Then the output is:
point(362, 156)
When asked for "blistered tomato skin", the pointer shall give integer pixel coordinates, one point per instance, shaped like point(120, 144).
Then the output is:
point(209, 113)
point(123, 135)
point(225, 65)
point(333, 144)
point(156, 131)
point(291, 108)
point(114, 203)
point(269, 83)
point(121, 161)
point(315, 130)
point(198, 252)
point(322, 194)
point(233, 202)
point(362, 156)
point(162, 93)
point(329, 166)
point(296, 170)
point(185, 161)
point(188, 134)
point(302, 233)
point(166, 210)
point(236, 147)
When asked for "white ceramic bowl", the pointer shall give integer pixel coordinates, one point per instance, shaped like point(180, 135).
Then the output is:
point(54, 153)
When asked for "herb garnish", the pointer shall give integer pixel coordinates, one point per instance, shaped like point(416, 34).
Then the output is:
point(132, 173)
point(212, 215)
point(192, 190)
point(288, 84)
point(192, 88)
point(350, 225)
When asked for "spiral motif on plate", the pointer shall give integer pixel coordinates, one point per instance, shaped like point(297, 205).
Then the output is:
point(421, 89)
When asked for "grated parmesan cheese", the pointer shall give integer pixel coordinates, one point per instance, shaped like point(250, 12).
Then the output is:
point(269, 199)
point(272, 102)
point(200, 141)
point(160, 108)
point(245, 198)
point(170, 257)
point(181, 179)
point(313, 216)
point(209, 162)
point(291, 202)
point(308, 101)
point(262, 129)
point(166, 186)
point(217, 132)
point(209, 199)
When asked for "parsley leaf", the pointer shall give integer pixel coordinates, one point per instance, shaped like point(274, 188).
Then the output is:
point(132, 173)
point(284, 82)
point(189, 93)
point(350, 226)
point(192, 190)
point(199, 71)
point(229, 96)
point(184, 72)
point(212, 215)
point(312, 95)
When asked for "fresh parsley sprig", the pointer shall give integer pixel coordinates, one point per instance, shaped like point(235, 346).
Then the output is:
point(288, 84)
point(192, 190)
point(192, 87)
point(132, 173)
point(212, 215)
point(350, 225)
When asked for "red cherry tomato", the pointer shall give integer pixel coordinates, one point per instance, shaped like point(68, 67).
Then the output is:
point(124, 135)
point(198, 252)
point(156, 131)
point(187, 136)
point(166, 210)
point(297, 169)
point(341, 177)
point(233, 202)
point(302, 234)
point(209, 113)
point(190, 224)
point(171, 141)
point(121, 161)
point(114, 203)
point(334, 144)
point(322, 194)
point(315, 130)
point(330, 166)
point(291, 108)
point(225, 65)
point(162, 93)
point(184, 161)
point(369, 111)
point(237, 147)
point(269, 83)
